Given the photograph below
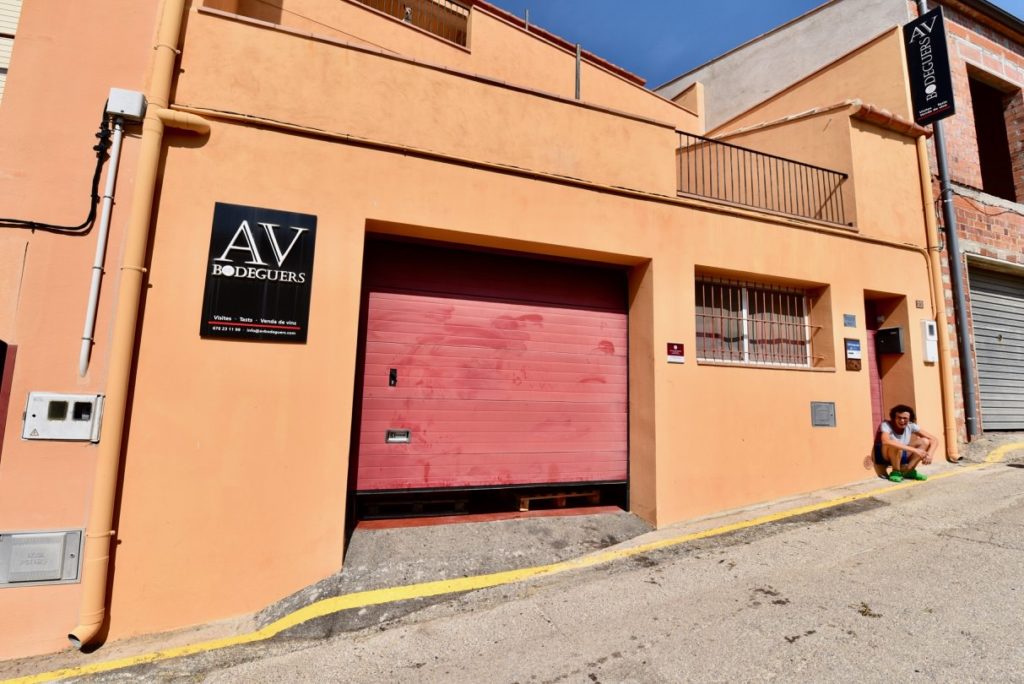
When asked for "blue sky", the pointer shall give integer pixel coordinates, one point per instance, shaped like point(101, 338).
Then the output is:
point(660, 39)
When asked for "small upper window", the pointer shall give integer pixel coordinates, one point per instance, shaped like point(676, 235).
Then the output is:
point(753, 323)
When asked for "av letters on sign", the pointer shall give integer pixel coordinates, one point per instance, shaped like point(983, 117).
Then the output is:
point(259, 274)
point(931, 86)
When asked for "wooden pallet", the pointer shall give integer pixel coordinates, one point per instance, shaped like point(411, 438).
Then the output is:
point(560, 499)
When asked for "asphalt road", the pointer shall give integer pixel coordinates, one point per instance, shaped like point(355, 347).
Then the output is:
point(914, 582)
point(924, 583)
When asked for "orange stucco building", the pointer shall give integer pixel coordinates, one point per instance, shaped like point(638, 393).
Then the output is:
point(392, 156)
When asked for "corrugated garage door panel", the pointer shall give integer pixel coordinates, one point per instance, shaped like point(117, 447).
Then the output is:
point(494, 392)
point(404, 267)
point(997, 310)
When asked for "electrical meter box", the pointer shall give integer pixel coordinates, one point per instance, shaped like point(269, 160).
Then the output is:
point(930, 339)
point(64, 417)
point(127, 104)
point(44, 557)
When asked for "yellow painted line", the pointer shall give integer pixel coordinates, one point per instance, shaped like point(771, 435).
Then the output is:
point(376, 597)
point(999, 453)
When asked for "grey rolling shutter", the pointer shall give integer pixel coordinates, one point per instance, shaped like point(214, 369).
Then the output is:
point(997, 309)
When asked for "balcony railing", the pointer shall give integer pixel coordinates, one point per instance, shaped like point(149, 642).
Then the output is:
point(444, 18)
point(728, 173)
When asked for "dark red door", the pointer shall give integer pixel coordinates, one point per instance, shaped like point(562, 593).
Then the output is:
point(875, 381)
point(503, 371)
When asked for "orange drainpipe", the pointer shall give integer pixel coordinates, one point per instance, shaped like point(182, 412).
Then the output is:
point(939, 298)
point(99, 533)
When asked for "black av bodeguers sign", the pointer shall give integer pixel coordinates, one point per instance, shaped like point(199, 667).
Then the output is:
point(259, 274)
point(931, 86)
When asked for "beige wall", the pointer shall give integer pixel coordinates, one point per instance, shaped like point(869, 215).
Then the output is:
point(234, 483)
point(497, 50)
point(405, 103)
point(9, 13)
point(47, 128)
point(822, 140)
point(874, 73)
point(760, 68)
point(886, 167)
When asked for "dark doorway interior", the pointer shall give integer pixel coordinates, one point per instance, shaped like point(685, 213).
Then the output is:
point(989, 105)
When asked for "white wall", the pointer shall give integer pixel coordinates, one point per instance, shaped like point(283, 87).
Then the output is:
point(752, 72)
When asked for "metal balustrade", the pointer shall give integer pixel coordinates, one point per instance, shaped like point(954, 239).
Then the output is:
point(444, 18)
point(724, 172)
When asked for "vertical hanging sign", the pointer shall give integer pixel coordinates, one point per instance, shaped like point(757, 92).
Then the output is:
point(931, 86)
point(259, 274)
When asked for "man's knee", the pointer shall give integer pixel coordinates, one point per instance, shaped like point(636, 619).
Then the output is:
point(892, 454)
point(926, 445)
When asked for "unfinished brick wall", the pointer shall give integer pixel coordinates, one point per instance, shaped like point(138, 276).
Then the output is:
point(977, 50)
point(991, 231)
point(987, 226)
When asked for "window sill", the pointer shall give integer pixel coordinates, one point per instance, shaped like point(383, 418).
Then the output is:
point(758, 366)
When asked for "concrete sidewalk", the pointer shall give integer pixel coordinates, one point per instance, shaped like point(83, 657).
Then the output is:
point(393, 572)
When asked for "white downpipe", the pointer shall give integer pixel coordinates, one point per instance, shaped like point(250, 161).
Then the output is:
point(101, 249)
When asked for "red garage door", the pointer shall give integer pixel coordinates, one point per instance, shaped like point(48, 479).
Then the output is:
point(500, 371)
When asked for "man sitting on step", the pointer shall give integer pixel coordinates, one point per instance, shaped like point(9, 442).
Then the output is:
point(901, 444)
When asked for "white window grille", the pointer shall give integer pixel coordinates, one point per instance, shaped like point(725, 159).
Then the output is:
point(752, 323)
point(10, 10)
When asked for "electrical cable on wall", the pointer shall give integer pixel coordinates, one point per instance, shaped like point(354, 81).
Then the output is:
point(985, 210)
point(103, 134)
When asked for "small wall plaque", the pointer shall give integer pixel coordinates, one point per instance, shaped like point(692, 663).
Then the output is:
point(853, 353)
point(823, 413)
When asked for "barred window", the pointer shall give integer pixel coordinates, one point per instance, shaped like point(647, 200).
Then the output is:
point(10, 10)
point(752, 323)
point(447, 19)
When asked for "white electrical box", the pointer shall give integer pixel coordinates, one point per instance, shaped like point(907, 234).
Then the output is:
point(128, 104)
point(65, 417)
point(930, 340)
point(44, 557)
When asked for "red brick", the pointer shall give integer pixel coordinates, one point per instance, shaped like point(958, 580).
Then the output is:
point(967, 51)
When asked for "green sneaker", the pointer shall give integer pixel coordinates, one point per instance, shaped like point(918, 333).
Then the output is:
point(914, 475)
point(895, 476)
